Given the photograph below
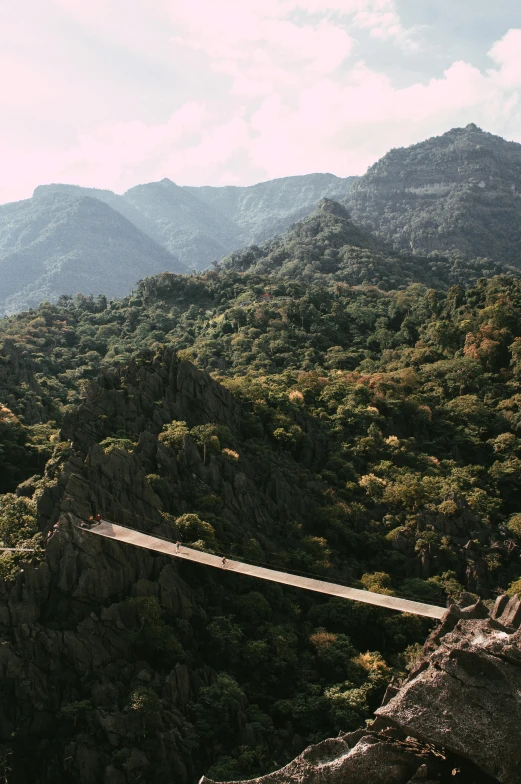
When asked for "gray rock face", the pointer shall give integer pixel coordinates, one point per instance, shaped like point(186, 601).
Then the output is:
point(336, 761)
point(68, 661)
point(456, 718)
point(467, 696)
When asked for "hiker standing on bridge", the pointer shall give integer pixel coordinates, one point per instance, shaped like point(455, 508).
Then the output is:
point(178, 547)
point(224, 561)
point(98, 518)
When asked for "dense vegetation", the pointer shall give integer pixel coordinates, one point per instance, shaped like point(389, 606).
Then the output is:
point(397, 411)
point(455, 193)
point(327, 247)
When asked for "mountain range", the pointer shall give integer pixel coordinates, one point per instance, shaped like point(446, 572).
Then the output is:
point(300, 405)
point(327, 247)
point(67, 239)
point(456, 196)
point(199, 225)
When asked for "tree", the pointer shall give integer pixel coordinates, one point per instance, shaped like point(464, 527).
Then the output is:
point(145, 703)
point(379, 582)
point(206, 436)
point(174, 434)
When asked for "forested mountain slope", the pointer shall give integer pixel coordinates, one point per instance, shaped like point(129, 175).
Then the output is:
point(327, 247)
point(367, 436)
point(114, 200)
point(460, 192)
point(56, 243)
point(457, 195)
point(184, 224)
point(318, 404)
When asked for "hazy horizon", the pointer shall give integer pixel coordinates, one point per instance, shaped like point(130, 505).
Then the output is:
point(205, 185)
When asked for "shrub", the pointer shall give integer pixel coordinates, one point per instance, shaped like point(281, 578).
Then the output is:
point(412, 655)
point(153, 637)
point(373, 486)
point(174, 434)
point(448, 508)
point(192, 529)
point(113, 444)
point(515, 588)
point(17, 519)
point(514, 524)
point(8, 566)
point(379, 582)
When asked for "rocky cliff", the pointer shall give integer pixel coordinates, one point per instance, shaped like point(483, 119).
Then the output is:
point(456, 717)
point(102, 646)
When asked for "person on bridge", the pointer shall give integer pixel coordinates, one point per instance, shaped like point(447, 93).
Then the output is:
point(224, 561)
point(178, 547)
point(98, 518)
point(51, 533)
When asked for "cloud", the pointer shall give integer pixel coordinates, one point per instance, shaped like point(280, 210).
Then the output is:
point(22, 84)
point(262, 52)
point(290, 93)
point(507, 54)
point(218, 23)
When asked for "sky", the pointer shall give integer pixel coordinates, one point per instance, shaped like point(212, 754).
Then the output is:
point(112, 93)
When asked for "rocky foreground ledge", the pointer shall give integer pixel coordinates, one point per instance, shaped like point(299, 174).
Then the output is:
point(455, 718)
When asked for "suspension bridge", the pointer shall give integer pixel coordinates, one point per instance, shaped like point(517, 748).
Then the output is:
point(120, 533)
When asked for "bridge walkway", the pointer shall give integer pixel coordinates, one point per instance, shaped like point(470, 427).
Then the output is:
point(120, 533)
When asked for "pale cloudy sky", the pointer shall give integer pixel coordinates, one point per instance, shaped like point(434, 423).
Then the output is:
point(111, 93)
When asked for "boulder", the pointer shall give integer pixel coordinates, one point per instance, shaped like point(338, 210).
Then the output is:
point(466, 696)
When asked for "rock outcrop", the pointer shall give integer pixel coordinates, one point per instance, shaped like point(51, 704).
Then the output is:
point(466, 696)
point(456, 718)
point(78, 656)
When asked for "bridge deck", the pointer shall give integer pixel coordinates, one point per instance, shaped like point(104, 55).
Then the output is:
point(139, 539)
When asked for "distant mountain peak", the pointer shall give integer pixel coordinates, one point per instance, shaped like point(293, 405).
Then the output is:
point(333, 207)
point(454, 193)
